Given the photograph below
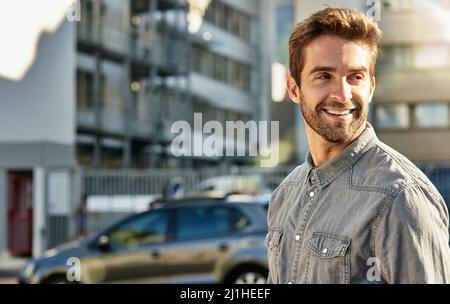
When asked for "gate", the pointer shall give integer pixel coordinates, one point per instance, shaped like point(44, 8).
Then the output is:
point(20, 213)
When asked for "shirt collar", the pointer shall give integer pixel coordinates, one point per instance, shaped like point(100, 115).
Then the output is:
point(329, 171)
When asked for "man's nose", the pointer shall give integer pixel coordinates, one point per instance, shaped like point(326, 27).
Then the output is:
point(342, 91)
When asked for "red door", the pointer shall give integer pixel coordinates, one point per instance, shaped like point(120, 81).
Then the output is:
point(20, 213)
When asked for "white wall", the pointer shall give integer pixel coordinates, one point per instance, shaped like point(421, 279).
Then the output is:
point(41, 107)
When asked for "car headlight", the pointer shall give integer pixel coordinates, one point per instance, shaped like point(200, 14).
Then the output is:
point(30, 267)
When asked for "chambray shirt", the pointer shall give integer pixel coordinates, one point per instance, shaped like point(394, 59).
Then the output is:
point(368, 215)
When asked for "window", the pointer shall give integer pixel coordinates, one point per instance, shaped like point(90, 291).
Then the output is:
point(419, 57)
point(221, 68)
point(432, 115)
point(228, 19)
point(397, 4)
point(239, 220)
point(206, 63)
point(150, 227)
point(392, 116)
point(400, 56)
point(112, 87)
point(431, 56)
point(196, 222)
point(111, 153)
point(85, 90)
point(85, 150)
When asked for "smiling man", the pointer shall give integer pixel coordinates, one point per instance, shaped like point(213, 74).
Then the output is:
point(356, 211)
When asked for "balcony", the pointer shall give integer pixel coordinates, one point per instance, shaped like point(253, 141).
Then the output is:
point(414, 26)
point(419, 145)
point(112, 121)
point(412, 85)
point(107, 35)
point(86, 118)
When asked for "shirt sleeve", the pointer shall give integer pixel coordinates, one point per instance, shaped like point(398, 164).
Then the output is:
point(412, 238)
point(269, 278)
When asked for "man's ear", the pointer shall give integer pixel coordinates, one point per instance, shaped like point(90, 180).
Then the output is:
point(293, 89)
point(372, 87)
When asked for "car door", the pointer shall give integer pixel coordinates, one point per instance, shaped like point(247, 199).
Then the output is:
point(134, 251)
point(203, 239)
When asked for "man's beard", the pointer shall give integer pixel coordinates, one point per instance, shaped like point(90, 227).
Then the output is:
point(338, 132)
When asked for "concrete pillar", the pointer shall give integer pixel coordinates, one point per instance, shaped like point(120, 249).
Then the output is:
point(39, 211)
point(3, 213)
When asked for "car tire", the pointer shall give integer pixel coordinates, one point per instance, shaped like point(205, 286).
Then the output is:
point(248, 275)
point(57, 279)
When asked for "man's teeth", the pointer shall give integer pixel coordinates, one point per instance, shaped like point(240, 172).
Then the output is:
point(338, 112)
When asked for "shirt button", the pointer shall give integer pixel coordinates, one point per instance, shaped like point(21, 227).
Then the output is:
point(297, 237)
point(325, 250)
point(311, 194)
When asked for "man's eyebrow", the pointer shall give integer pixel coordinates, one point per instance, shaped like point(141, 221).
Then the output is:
point(322, 69)
point(332, 69)
point(359, 69)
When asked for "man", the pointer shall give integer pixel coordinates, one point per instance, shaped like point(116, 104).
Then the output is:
point(356, 211)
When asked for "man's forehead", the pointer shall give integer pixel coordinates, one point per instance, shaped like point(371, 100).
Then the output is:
point(334, 52)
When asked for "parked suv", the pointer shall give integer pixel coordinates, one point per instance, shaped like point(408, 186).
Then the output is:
point(190, 240)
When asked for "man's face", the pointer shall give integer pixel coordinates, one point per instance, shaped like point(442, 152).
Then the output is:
point(336, 88)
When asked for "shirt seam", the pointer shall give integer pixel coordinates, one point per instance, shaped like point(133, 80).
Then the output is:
point(390, 199)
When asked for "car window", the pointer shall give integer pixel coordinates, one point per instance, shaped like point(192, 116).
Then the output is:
point(150, 227)
point(239, 219)
point(195, 222)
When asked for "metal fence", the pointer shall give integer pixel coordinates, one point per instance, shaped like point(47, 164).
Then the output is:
point(135, 183)
point(111, 184)
point(439, 174)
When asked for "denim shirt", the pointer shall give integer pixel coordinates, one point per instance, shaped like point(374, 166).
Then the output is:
point(368, 215)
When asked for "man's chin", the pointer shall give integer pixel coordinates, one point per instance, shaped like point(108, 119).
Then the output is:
point(338, 136)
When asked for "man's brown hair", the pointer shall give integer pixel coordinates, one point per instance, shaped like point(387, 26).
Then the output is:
point(341, 22)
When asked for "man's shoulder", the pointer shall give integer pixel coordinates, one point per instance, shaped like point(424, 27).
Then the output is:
point(386, 169)
point(295, 176)
point(293, 179)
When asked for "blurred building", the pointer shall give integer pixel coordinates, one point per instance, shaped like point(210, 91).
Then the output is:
point(141, 66)
point(292, 148)
point(104, 91)
point(412, 96)
point(37, 135)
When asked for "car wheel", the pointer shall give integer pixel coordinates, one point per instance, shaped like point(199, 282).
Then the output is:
point(249, 275)
point(57, 279)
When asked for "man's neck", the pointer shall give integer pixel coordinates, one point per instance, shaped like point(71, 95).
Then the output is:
point(322, 150)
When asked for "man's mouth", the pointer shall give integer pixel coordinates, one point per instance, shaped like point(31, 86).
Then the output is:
point(341, 112)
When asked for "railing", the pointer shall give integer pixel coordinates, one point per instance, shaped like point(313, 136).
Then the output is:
point(134, 185)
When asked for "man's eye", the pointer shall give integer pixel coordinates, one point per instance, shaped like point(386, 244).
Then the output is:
point(356, 77)
point(324, 76)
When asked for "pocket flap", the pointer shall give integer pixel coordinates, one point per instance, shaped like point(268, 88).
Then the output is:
point(328, 245)
point(273, 238)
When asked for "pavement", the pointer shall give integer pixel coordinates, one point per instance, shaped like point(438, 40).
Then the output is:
point(10, 268)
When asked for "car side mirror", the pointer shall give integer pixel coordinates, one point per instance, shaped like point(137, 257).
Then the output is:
point(103, 243)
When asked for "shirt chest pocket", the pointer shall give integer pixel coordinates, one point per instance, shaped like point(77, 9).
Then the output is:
point(328, 259)
point(272, 243)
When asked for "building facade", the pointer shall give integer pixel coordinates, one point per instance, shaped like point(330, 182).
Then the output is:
point(412, 98)
point(104, 91)
point(141, 65)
